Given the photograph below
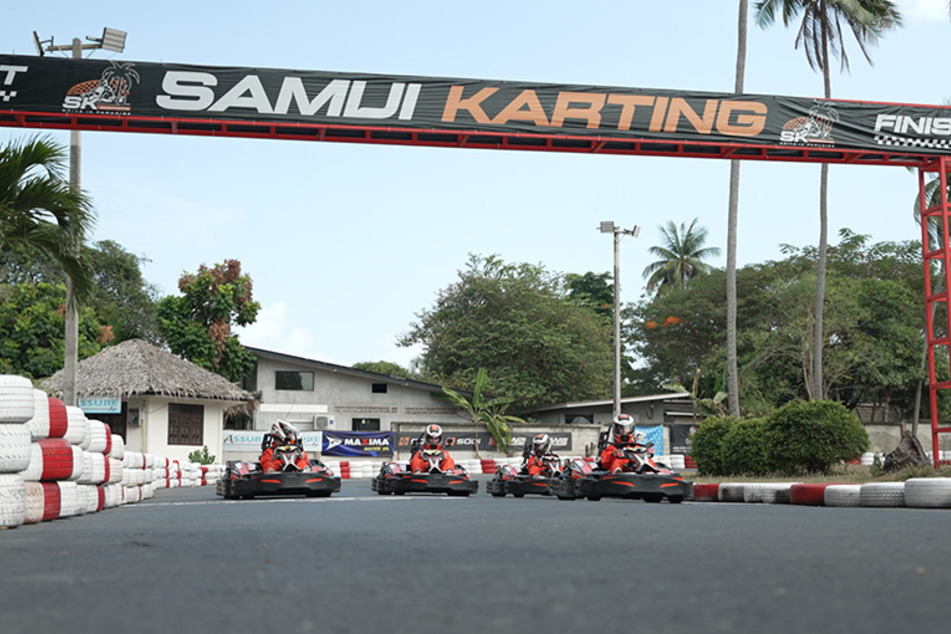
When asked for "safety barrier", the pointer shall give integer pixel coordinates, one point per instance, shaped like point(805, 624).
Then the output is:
point(55, 462)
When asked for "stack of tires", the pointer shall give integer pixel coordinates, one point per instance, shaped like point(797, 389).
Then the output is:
point(16, 409)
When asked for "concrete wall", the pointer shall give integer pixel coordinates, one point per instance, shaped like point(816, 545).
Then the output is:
point(151, 434)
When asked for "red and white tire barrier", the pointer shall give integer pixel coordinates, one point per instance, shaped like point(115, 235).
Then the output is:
point(928, 493)
point(16, 399)
point(12, 499)
point(882, 494)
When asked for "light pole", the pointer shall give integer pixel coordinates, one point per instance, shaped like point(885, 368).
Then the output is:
point(608, 226)
point(111, 40)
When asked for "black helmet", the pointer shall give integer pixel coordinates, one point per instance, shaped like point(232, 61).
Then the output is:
point(541, 444)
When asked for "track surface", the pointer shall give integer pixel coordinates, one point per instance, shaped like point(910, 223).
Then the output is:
point(188, 561)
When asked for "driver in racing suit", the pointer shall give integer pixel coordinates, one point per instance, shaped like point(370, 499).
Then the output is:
point(541, 461)
point(622, 434)
point(281, 434)
point(432, 440)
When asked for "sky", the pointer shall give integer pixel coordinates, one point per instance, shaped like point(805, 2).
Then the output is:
point(346, 244)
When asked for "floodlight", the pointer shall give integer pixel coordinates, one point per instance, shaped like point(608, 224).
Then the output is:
point(113, 40)
point(607, 226)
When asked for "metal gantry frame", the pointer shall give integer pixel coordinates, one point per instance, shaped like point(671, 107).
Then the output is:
point(937, 269)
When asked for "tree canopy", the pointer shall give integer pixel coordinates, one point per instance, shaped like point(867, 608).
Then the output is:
point(873, 329)
point(518, 322)
point(197, 324)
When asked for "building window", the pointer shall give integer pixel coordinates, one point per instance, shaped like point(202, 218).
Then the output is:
point(186, 424)
point(301, 381)
point(379, 388)
point(365, 424)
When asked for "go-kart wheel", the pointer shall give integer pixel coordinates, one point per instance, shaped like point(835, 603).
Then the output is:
point(399, 492)
point(675, 499)
point(593, 498)
point(653, 498)
point(518, 495)
point(497, 495)
point(247, 496)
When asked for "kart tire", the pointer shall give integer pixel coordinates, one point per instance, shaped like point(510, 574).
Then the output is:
point(518, 495)
point(322, 494)
point(675, 499)
point(497, 495)
point(928, 492)
point(593, 498)
point(399, 492)
point(459, 494)
point(653, 498)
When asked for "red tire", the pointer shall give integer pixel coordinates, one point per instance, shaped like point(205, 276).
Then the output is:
point(809, 494)
point(705, 492)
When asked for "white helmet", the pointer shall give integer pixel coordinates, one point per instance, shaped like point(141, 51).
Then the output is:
point(623, 427)
point(433, 435)
point(541, 444)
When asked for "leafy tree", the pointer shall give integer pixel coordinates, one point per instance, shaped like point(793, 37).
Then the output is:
point(486, 411)
point(873, 328)
point(39, 208)
point(681, 257)
point(384, 367)
point(594, 290)
point(811, 437)
point(31, 330)
point(820, 35)
point(121, 298)
point(516, 321)
point(197, 324)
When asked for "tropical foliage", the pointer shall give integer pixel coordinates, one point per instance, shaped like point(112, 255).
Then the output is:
point(681, 256)
point(197, 324)
point(38, 208)
point(516, 321)
point(487, 411)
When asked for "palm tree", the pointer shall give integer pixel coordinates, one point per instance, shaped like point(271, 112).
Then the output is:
point(40, 209)
point(732, 372)
point(486, 411)
point(681, 256)
point(820, 35)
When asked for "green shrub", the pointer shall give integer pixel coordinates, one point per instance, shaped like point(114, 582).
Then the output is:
point(744, 449)
point(811, 437)
point(705, 445)
point(202, 456)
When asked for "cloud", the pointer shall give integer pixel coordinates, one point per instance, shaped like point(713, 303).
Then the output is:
point(925, 10)
point(271, 332)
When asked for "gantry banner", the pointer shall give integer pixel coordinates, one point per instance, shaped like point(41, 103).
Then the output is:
point(111, 88)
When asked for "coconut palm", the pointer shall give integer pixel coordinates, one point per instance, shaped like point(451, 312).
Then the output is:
point(40, 209)
point(821, 37)
point(732, 372)
point(681, 256)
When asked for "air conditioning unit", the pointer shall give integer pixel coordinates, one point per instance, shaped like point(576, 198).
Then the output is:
point(321, 422)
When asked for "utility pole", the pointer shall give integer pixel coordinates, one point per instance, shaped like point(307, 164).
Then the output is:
point(112, 40)
point(608, 226)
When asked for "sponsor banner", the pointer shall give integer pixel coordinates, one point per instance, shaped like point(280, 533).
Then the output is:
point(100, 404)
point(251, 441)
point(111, 89)
point(654, 434)
point(358, 444)
point(680, 438)
point(483, 440)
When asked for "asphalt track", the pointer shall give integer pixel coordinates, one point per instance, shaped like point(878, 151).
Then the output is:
point(188, 561)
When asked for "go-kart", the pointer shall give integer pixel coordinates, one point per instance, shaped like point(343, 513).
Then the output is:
point(398, 479)
point(247, 479)
point(641, 479)
point(509, 480)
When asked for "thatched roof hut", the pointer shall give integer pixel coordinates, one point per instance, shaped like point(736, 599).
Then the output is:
point(137, 368)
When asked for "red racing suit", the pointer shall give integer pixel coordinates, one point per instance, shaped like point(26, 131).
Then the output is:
point(536, 465)
point(270, 463)
point(418, 464)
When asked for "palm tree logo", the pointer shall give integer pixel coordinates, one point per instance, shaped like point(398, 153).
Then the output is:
point(814, 128)
point(110, 93)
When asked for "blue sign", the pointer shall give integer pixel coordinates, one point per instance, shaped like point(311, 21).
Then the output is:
point(100, 404)
point(358, 444)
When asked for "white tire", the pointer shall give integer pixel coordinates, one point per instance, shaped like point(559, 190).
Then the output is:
point(35, 502)
point(928, 492)
point(882, 494)
point(12, 500)
point(14, 447)
point(767, 493)
point(69, 503)
point(731, 492)
point(16, 399)
point(98, 436)
point(117, 450)
point(40, 423)
point(842, 495)
point(94, 468)
point(77, 427)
